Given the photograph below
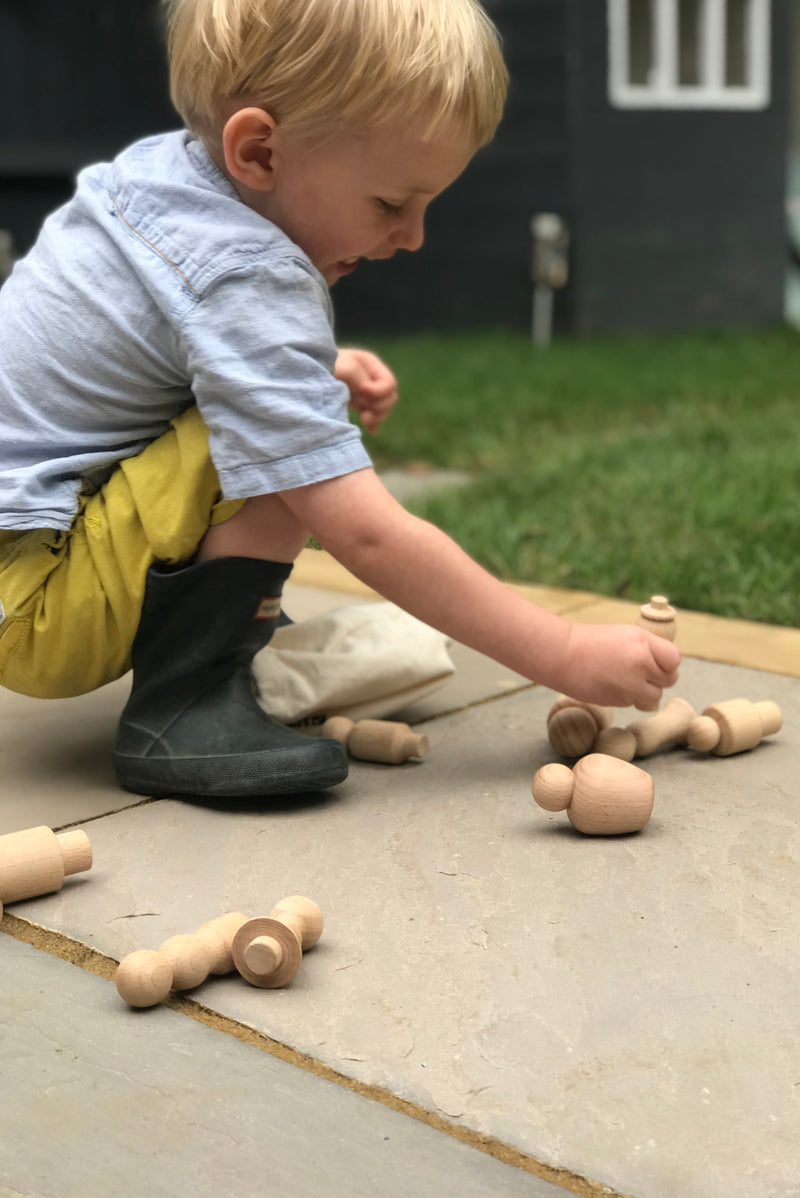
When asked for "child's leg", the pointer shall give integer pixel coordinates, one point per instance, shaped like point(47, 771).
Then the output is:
point(122, 588)
point(264, 527)
point(72, 600)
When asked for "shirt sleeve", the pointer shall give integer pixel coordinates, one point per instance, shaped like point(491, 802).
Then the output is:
point(260, 354)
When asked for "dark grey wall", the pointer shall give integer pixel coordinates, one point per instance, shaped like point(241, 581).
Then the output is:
point(677, 216)
point(79, 79)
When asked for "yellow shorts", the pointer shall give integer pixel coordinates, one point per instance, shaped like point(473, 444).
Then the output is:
point(72, 600)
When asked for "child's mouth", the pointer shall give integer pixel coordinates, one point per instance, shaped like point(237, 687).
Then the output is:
point(347, 265)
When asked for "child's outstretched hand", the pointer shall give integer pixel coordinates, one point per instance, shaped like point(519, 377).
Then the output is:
point(618, 665)
point(372, 386)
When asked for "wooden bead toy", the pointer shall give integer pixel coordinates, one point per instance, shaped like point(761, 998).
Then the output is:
point(377, 740)
point(616, 742)
point(145, 977)
point(602, 795)
point(37, 860)
point(657, 617)
point(267, 951)
point(669, 727)
point(734, 726)
point(573, 726)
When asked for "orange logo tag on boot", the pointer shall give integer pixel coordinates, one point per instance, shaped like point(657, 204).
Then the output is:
point(268, 609)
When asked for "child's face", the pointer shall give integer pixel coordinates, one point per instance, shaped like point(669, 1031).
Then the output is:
point(361, 195)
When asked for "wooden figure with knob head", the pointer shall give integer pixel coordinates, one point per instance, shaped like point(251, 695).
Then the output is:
point(267, 951)
point(657, 617)
point(37, 860)
point(670, 726)
point(145, 977)
point(377, 740)
point(734, 726)
point(573, 726)
point(602, 795)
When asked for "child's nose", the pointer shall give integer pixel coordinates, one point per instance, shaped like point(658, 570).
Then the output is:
point(410, 235)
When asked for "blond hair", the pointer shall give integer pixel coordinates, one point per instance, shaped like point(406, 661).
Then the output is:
point(319, 66)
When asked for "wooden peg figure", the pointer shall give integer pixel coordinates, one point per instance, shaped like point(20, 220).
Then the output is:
point(268, 950)
point(602, 795)
point(37, 860)
point(573, 726)
point(145, 977)
point(657, 617)
point(644, 737)
point(734, 726)
point(377, 740)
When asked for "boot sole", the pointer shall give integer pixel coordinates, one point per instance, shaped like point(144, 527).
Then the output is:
point(242, 775)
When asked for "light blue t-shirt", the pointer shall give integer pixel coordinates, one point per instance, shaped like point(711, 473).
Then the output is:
point(156, 287)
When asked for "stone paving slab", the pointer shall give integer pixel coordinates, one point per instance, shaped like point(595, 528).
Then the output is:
point(97, 1101)
point(624, 1008)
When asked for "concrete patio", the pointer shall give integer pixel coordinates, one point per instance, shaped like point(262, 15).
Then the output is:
point(498, 1005)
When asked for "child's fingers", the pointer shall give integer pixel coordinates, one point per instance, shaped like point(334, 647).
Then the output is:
point(666, 656)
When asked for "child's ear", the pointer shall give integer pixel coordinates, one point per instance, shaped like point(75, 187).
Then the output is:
point(249, 142)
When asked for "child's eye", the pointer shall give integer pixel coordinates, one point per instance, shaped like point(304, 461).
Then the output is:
point(390, 209)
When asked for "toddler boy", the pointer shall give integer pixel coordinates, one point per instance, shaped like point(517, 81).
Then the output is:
point(176, 409)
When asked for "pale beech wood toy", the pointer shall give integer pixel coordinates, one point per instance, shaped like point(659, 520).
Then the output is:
point(616, 742)
point(657, 617)
point(145, 977)
point(602, 795)
point(734, 726)
point(267, 951)
point(669, 727)
point(377, 740)
point(37, 860)
point(573, 726)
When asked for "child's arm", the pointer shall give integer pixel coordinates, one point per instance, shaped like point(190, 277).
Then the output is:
point(422, 570)
point(372, 386)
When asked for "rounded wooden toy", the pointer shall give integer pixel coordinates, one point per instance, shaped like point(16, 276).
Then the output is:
point(602, 795)
point(669, 727)
point(145, 977)
point(616, 742)
point(268, 950)
point(37, 860)
point(377, 740)
point(657, 617)
point(573, 726)
point(734, 726)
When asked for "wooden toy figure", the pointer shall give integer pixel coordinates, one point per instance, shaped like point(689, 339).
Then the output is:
point(643, 737)
point(734, 726)
point(377, 740)
point(37, 860)
point(145, 977)
point(267, 951)
point(573, 726)
point(659, 618)
point(602, 795)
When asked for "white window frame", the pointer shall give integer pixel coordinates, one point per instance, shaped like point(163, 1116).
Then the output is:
point(664, 89)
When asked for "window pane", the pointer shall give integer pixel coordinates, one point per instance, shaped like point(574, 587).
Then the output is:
point(640, 49)
point(689, 43)
point(736, 48)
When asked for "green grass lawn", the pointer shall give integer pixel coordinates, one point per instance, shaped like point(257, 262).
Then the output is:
point(621, 466)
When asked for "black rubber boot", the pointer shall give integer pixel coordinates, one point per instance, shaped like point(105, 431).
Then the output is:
point(192, 725)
